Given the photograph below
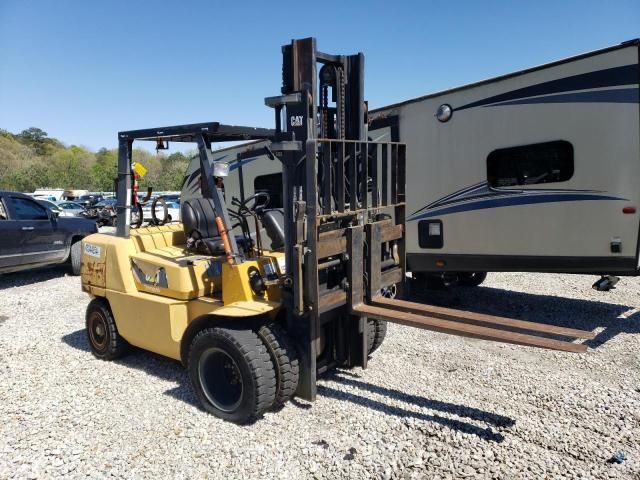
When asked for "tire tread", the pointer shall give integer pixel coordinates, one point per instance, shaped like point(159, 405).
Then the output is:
point(284, 357)
point(251, 348)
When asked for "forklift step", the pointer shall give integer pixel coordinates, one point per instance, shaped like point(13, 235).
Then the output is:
point(480, 318)
point(464, 329)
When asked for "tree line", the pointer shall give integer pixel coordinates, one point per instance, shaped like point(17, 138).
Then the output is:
point(31, 159)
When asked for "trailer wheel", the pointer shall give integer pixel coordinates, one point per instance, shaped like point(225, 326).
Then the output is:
point(102, 332)
point(232, 374)
point(376, 332)
point(471, 279)
point(284, 357)
point(429, 281)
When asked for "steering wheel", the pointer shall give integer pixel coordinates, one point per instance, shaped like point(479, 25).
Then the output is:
point(255, 203)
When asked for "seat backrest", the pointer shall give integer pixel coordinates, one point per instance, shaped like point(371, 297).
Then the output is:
point(199, 218)
point(273, 223)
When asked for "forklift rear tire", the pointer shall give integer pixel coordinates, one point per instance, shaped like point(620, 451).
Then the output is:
point(377, 331)
point(471, 279)
point(102, 332)
point(232, 374)
point(284, 357)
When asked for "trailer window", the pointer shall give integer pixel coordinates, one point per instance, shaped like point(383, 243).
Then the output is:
point(272, 184)
point(530, 164)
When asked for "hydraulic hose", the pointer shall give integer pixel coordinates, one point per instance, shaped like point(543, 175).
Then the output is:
point(224, 235)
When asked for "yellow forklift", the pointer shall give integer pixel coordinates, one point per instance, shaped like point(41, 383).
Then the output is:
point(255, 320)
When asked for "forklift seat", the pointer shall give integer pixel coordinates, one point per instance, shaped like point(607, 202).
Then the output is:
point(200, 229)
point(273, 222)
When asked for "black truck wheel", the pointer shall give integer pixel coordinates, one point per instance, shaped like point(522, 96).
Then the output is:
point(232, 374)
point(102, 332)
point(471, 279)
point(376, 332)
point(284, 357)
point(75, 257)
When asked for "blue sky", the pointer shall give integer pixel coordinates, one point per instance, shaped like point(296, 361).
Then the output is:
point(82, 70)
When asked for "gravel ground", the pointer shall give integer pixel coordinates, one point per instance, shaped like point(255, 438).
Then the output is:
point(429, 406)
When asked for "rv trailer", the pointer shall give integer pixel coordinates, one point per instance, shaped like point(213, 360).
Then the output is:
point(533, 171)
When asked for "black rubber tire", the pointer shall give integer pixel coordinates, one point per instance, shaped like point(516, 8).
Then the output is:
point(284, 357)
point(75, 257)
point(471, 279)
point(102, 333)
point(165, 211)
point(251, 365)
point(376, 332)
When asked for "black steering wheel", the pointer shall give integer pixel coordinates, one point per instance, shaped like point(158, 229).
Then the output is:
point(254, 201)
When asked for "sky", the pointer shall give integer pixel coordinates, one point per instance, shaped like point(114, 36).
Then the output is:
point(83, 70)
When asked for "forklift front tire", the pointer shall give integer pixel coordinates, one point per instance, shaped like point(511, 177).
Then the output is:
point(102, 333)
point(284, 357)
point(376, 331)
point(232, 374)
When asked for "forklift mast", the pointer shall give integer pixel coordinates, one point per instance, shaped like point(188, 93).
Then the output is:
point(344, 213)
point(344, 207)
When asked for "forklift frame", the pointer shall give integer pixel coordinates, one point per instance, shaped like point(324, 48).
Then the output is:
point(204, 134)
point(344, 213)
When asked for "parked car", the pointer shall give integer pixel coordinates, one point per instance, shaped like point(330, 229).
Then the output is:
point(51, 198)
point(89, 200)
point(31, 235)
point(172, 197)
point(56, 208)
point(71, 209)
point(49, 205)
point(103, 212)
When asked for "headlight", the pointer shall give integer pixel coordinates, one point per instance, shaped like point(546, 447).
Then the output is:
point(220, 169)
point(444, 112)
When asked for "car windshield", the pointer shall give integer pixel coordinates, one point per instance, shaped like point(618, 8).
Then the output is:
point(106, 203)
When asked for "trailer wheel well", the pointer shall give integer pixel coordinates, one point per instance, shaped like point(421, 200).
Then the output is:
point(207, 321)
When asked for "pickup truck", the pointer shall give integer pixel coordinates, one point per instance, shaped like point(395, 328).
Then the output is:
point(33, 236)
